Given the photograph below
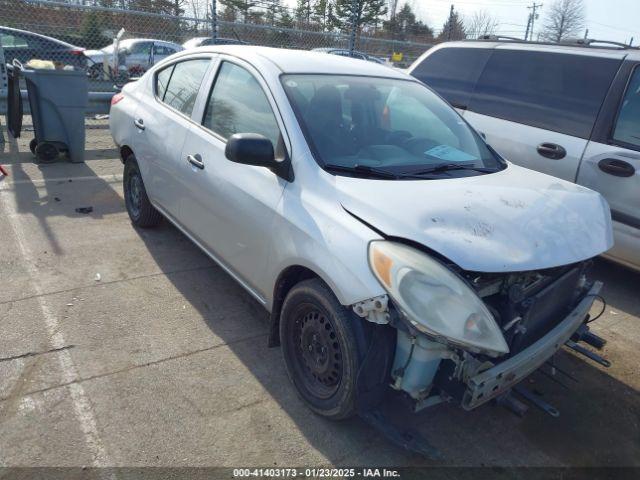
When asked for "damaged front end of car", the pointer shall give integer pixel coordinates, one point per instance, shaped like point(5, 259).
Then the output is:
point(469, 337)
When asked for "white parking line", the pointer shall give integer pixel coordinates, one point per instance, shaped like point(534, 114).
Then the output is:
point(80, 400)
point(7, 182)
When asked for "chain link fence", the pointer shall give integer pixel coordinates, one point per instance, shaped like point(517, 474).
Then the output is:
point(89, 27)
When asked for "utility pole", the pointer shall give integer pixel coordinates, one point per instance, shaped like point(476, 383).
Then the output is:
point(586, 34)
point(450, 22)
point(214, 20)
point(526, 33)
point(355, 19)
point(533, 16)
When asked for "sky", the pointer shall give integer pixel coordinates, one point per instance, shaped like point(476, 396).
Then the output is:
point(616, 20)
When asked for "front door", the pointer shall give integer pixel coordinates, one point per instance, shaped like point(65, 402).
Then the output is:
point(228, 207)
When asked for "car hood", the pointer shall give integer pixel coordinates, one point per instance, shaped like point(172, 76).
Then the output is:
point(513, 220)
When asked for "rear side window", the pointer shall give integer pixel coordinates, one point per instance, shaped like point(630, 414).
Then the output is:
point(453, 72)
point(184, 84)
point(238, 104)
point(627, 130)
point(162, 80)
point(553, 91)
point(13, 41)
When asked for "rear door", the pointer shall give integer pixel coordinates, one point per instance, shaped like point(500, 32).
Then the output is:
point(611, 163)
point(538, 108)
point(162, 121)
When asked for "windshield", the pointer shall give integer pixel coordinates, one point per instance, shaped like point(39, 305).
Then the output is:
point(382, 125)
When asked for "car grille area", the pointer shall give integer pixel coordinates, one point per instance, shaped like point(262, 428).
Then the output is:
point(528, 305)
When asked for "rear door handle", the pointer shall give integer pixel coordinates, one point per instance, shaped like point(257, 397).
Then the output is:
point(616, 167)
point(196, 161)
point(552, 151)
point(139, 123)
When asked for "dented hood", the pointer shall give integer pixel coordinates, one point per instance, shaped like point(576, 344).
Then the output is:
point(513, 220)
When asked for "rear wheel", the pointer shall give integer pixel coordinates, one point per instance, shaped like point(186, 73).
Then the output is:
point(46, 152)
point(139, 208)
point(320, 349)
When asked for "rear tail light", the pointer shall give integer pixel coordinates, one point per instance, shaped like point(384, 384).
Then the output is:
point(117, 98)
point(77, 51)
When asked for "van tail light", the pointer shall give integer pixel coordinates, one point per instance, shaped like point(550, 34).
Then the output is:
point(117, 98)
point(77, 51)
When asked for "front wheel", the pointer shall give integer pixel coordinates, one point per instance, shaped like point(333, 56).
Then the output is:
point(320, 349)
point(139, 208)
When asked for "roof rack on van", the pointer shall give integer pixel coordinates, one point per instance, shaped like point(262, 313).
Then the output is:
point(575, 42)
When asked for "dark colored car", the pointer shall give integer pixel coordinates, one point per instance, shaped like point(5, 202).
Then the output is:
point(24, 46)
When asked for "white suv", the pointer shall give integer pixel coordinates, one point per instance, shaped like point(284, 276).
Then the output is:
point(572, 111)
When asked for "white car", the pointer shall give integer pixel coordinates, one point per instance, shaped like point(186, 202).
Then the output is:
point(135, 55)
point(389, 243)
point(571, 110)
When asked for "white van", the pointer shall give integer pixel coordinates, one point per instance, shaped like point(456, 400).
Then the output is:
point(571, 110)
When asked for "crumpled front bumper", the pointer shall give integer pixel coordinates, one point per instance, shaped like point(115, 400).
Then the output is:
point(490, 383)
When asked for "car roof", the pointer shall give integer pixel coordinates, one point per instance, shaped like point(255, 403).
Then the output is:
point(33, 34)
point(305, 61)
point(595, 51)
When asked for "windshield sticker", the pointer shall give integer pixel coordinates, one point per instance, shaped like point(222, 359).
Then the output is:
point(450, 154)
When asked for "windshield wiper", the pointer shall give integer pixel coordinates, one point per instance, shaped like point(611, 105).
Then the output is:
point(445, 167)
point(361, 169)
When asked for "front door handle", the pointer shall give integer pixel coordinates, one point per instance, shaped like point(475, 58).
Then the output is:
point(552, 151)
point(139, 123)
point(616, 167)
point(196, 161)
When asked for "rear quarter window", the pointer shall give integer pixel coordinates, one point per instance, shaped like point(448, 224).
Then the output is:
point(553, 91)
point(453, 72)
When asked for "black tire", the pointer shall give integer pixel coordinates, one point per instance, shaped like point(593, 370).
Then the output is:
point(139, 208)
point(46, 152)
point(320, 349)
point(33, 145)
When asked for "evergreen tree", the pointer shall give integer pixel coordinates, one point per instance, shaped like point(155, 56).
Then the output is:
point(367, 12)
point(322, 13)
point(453, 28)
point(303, 12)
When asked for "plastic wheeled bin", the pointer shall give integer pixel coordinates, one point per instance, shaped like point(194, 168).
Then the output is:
point(58, 101)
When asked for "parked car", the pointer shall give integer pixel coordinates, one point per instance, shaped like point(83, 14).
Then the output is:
point(347, 53)
point(207, 41)
point(572, 111)
point(135, 55)
point(25, 46)
point(389, 242)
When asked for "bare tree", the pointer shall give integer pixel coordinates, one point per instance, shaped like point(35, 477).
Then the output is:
point(481, 23)
point(565, 19)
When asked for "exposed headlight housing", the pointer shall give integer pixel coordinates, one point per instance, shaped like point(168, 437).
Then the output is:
point(434, 299)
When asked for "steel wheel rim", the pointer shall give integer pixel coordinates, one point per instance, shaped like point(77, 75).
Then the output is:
point(317, 352)
point(135, 193)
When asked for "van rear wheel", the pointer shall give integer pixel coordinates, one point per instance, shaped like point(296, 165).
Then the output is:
point(320, 349)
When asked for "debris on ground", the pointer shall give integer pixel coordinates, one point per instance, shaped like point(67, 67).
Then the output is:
point(98, 277)
point(84, 209)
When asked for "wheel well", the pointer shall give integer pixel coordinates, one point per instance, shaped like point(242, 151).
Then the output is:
point(125, 152)
point(287, 279)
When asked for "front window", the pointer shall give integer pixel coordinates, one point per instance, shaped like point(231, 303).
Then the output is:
point(386, 126)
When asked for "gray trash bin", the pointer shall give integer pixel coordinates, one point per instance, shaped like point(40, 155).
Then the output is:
point(58, 101)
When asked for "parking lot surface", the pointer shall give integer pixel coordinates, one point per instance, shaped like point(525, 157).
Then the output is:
point(124, 347)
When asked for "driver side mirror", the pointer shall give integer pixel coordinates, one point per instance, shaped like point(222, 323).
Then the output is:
point(257, 150)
